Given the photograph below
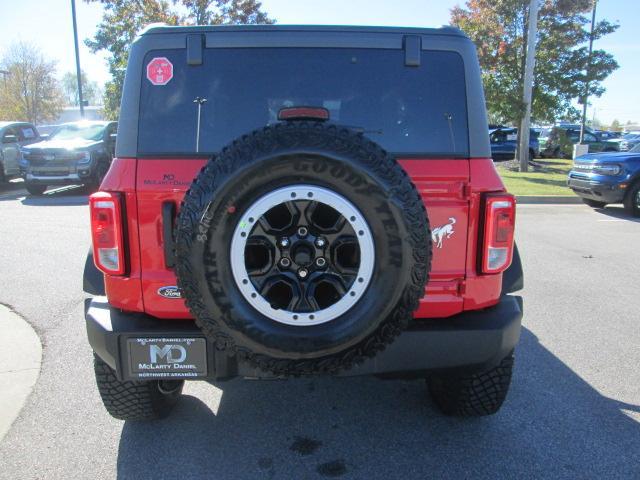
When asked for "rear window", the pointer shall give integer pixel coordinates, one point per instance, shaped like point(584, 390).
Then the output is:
point(407, 110)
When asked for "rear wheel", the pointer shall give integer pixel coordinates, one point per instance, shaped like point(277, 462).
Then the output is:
point(632, 200)
point(35, 189)
point(472, 395)
point(131, 400)
point(594, 203)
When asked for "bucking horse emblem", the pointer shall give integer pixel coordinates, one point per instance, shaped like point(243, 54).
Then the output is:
point(440, 233)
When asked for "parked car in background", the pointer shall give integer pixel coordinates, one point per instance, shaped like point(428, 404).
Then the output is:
point(560, 140)
point(627, 141)
point(608, 135)
point(13, 136)
point(504, 142)
point(603, 178)
point(76, 153)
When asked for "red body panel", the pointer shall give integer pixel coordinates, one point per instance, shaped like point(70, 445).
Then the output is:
point(125, 292)
point(450, 189)
point(442, 184)
point(160, 181)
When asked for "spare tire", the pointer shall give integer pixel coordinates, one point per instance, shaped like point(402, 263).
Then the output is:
point(302, 248)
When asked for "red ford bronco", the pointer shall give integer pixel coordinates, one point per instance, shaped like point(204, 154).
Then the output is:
point(289, 201)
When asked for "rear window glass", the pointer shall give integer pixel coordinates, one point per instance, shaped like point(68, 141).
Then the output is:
point(407, 110)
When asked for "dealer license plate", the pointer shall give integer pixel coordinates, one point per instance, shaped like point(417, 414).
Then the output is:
point(167, 357)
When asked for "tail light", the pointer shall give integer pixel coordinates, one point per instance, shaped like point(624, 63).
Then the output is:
point(106, 232)
point(499, 226)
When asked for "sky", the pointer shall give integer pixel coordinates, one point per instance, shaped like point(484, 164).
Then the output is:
point(47, 24)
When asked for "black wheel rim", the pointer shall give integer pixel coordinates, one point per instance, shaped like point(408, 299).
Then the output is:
point(304, 256)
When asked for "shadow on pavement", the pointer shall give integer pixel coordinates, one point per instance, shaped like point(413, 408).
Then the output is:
point(553, 424)
point(71, 195)
point(616, 211)
point(12, 190)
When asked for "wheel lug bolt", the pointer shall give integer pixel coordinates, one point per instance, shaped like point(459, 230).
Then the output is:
point(302, 273)
point(302, 231)
point(320, 262)
point(320, 242)
point(284, 242)
point(285, 262)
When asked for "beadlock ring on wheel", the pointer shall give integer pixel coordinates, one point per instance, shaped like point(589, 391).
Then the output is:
point(353, 219)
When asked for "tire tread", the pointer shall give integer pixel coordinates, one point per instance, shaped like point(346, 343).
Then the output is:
point(477, 394)
point(131, 400)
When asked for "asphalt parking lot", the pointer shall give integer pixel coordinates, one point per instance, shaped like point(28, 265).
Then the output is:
point(573, 410)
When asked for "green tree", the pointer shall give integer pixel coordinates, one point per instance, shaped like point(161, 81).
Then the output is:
point(499, 30)
point(615, 125)
point(29, 91)
point(219, 12)
point(91, 91)
point(123, 20)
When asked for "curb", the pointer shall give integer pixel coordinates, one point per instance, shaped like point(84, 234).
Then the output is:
point(19, 365)
point(548, 200)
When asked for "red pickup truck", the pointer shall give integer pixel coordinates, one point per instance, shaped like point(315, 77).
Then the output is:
point(289, 201)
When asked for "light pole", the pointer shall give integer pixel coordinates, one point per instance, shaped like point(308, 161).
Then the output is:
point(78, 71)
point(585, 98)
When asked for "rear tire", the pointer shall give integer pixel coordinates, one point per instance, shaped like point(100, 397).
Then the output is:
point(35, 189)
point(632, 200)
point(594, 203)
point(473, 395)
point(131, 400)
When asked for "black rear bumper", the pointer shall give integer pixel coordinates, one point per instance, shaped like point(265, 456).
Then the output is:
point(470, 341)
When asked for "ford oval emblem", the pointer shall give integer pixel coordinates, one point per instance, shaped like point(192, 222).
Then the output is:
point(170, 292)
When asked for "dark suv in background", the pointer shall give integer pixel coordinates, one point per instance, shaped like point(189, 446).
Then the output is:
point(77, 153)
point(561, 139)
point(504, 142)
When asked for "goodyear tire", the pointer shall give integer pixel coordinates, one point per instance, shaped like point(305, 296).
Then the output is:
point(302, 248)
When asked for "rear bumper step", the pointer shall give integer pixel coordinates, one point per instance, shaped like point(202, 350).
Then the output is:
point(474, 340)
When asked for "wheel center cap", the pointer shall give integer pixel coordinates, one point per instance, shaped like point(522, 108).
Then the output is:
point(303, 254)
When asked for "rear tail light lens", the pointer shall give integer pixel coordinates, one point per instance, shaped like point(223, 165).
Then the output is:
point(106, 232)
point(499, 226)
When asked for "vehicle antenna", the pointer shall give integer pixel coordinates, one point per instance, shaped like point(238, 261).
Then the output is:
point(199, 101)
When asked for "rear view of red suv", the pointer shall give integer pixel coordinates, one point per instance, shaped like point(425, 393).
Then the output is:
point(290, 201)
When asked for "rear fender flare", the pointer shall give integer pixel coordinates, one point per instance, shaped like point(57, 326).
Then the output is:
point(513, 278)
